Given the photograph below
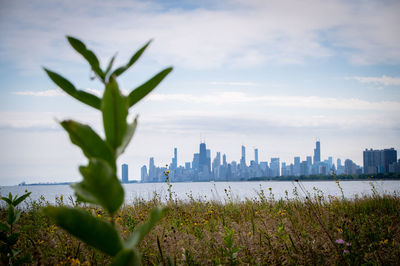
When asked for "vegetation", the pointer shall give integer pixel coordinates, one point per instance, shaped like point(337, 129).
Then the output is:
point(8, 235)
point(313, 230)
point(380, 176)
point(100, 185)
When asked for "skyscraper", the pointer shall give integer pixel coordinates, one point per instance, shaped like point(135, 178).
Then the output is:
point(275, 167)
point(256, 155)
point(174, 163)
point(125, 173)
point(152, 169)
point(317, 152)
point(143, 173)
point(204, 160)
point(378, 161)
point(243, 159)
point(296, 166)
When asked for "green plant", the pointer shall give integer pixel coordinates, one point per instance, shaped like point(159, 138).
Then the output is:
point(8, 238)
point(100, 185)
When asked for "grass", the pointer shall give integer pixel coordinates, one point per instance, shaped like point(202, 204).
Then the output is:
point(314, 230)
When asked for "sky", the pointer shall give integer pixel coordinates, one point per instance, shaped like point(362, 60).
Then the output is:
point(272, 75)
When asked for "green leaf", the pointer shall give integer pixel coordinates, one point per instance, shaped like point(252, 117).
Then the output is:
point(115, 110)
point(130, 131)
point(84, 226)
point(11, 214)
point(82, 193)
point(12, 239)
point(68, 87)
point(80, 47)
point(101, 182)
point(110, 64)
point(156, 214)
point(92, 145)
point(133, 59)
point(21, 199)
point(144, 89)
point(126, 257)
point(17, 216)
point(7, 200)
point(4, 227)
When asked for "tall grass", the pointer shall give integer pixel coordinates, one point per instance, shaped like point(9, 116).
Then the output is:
point(319, 229)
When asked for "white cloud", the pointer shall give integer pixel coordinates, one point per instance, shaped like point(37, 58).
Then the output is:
point(55, 92)
point(313, 102)
point(248, 33)
point(234, 83)
point(46, 93)
point(384, 80)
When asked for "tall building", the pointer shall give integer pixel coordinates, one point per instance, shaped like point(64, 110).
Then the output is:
point(204, 159)
point(143, 173)
point(195, 162)
point(378, 161)
point(317, 152)
point(152, 169)
point(275, 167)
point(296, 166)
point(389, 157)
point(224, 160)
point(256, 155)
point(174, 163)
point(243, 159)
point(125, 173)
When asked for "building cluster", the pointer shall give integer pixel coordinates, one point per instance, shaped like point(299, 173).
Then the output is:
point(202, 168)
point(381, 161)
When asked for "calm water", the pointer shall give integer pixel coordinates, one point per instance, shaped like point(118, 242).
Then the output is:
point(221, 191)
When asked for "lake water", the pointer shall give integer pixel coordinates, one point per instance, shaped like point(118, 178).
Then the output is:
point(221, 191)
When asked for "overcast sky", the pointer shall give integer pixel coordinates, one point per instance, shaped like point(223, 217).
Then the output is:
point(272, 75)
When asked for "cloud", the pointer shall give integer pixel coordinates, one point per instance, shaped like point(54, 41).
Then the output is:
point(384, 80)
point(55, 92)
point(233, 34)
point(308, 102)
point(46, 93)
point(234, 83)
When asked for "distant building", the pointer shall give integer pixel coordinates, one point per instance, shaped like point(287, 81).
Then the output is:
point(243, 159)
point(174, 163)
point(125, 173)
point(275, 167)
point(378, 161)
point(256, 155)
point(350, 168)
point(317, 152)
point(143, 174)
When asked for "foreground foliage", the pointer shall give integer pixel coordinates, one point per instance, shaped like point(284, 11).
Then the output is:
point(100, 185)
point(318, 230)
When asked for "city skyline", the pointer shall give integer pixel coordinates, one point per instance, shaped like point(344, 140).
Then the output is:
point(204, 165)
point(268, 74)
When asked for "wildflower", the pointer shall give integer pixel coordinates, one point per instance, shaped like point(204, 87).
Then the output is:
point(348, 244)
point(339, 241)
point(346, 251)
point(340, 230)
point(383, 242)
point(270, 188)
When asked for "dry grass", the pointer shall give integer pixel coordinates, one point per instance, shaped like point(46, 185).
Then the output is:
point(316, 230)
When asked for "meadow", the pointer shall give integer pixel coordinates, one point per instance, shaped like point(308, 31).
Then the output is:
point(311, 229)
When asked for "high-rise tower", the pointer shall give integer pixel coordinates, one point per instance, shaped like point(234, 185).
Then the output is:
point(317, 152)
point(125, 173)
point(204, 161)
point(256, 155)
point(243, 159)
